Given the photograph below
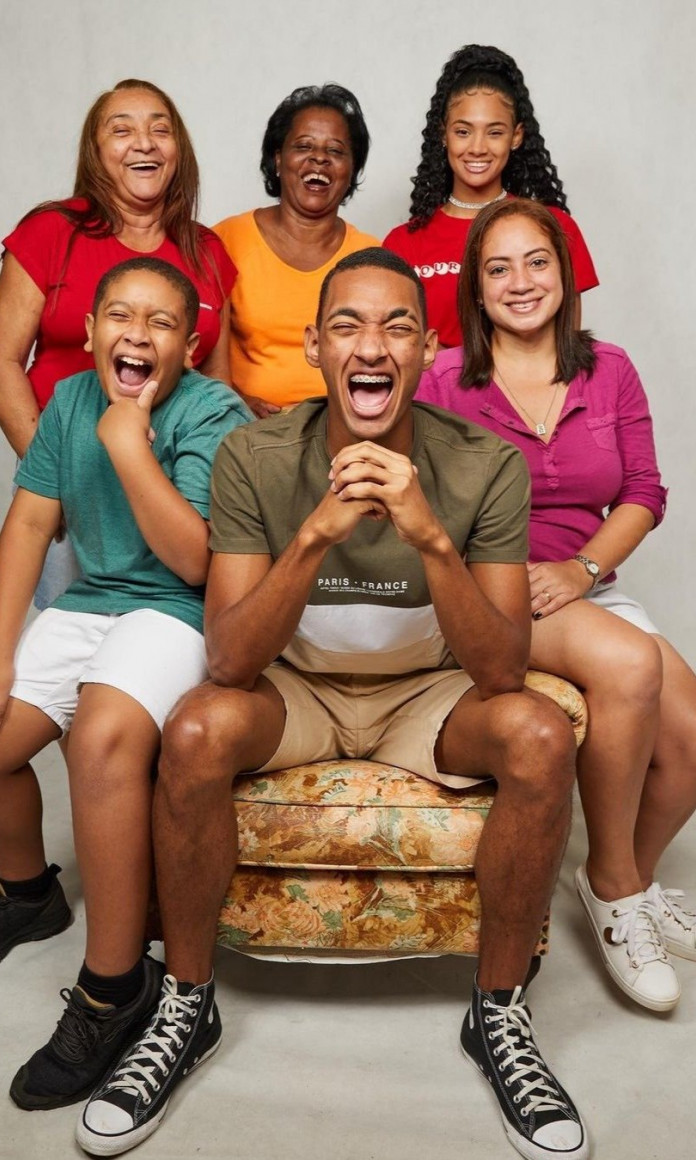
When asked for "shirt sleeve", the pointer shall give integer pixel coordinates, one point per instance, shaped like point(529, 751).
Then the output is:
point(39, 471)
point(397, 241)
point(38, 243)
point(236, 523)
point(196, 449)
point(583, 266)
point(501, 532)
point(225, 267)
point(634, 435)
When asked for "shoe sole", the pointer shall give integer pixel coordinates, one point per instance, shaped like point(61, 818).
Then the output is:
point(644, 1001)
point(678, 949)
point(98, 1145)
point(528, 1148)
point(37, 935)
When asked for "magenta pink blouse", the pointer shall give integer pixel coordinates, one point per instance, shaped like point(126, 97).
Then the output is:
point(601, 454)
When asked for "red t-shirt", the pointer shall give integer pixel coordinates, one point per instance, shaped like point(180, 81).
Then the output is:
point(40, 244)
point(436, 254)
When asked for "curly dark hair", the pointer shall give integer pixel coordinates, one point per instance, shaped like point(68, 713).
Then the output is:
point(314, 97)
point(529, 171)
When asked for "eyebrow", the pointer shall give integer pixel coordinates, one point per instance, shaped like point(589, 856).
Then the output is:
point(152, 116)
point(129, 306)
point(505, 258)
point(397, 312)
point(488, 124)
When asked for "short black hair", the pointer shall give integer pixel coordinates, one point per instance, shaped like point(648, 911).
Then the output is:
point(314, 97)
point(374, 257)
point(165, 270)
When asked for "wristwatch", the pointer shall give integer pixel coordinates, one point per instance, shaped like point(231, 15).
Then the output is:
point(591, 567)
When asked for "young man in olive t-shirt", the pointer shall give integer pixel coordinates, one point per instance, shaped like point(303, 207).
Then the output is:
point(367, 597)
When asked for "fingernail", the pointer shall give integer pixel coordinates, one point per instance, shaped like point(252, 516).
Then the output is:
point(536, 616)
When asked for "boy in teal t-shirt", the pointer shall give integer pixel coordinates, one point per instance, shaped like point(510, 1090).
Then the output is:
point(123, 454)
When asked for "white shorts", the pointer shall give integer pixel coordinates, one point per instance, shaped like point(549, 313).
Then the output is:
point(153, 657)
point(606, 596)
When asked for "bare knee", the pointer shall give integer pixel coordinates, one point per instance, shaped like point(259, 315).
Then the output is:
point(203, 738)
point(631, 672)
point(536, 745)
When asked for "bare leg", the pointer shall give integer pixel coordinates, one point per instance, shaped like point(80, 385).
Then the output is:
point(212, 735)
point(113, 743)
point(526, 742)
point(669, 795)
point(619, 669)
point(25, 731)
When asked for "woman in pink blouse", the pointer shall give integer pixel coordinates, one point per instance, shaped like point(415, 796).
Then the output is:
point(578, 412)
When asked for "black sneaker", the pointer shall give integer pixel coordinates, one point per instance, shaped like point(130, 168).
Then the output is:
point(22, 921)
point(84, 1045)
point(130, 1104)
point(539, 1117)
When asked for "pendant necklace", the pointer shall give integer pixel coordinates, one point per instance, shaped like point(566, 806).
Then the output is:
point(540, 428)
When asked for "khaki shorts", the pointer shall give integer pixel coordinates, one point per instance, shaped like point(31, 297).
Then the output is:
point(391, 719)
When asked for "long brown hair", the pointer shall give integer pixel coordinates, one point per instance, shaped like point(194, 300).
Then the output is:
point(574, 349)
point(100, 218)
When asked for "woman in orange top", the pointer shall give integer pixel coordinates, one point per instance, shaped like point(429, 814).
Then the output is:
point(314, 149)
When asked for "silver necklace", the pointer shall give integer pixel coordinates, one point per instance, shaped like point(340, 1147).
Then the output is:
point(540, 428)
point(476, 204)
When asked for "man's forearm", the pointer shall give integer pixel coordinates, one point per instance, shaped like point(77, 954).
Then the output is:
point(244, 638)
point(488, 645)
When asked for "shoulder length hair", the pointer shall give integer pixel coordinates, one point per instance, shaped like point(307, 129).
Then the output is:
point(574, 349)
point(100, 217)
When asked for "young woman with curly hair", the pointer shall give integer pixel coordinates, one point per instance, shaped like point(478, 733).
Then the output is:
point(481, 144)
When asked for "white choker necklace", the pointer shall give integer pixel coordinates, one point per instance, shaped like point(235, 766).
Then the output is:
point(476, 204)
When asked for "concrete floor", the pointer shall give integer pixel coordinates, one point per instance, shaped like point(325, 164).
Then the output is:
point(362, 1062)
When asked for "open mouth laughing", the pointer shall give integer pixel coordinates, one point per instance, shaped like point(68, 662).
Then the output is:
point(131, 374)
point(370, 394)
point(316, 181)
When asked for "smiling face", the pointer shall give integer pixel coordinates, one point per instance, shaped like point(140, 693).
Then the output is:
point(520, 277)
point(479, 135)
point(139, 333)
point(315, 163)
point(137, 148)
point(371, 347)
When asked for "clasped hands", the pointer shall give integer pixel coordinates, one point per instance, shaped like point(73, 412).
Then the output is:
point(367, 480)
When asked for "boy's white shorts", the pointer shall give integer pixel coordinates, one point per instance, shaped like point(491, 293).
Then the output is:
point(153, 657)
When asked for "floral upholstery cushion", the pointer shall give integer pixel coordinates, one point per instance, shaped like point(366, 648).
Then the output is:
point(362, 815)
point(355, 857)
point(335, 912)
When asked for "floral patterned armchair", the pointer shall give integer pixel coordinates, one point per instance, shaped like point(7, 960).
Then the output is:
point(346, 858)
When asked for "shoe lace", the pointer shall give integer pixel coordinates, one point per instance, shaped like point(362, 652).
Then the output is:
point(669, 900)
point(638, 926)
point(522, 1060)
point(77, 1030)
point(151, 1055)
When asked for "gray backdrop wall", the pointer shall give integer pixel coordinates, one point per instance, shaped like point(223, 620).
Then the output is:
point(613, 89)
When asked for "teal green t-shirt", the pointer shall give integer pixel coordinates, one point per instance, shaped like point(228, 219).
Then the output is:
point(66, 461)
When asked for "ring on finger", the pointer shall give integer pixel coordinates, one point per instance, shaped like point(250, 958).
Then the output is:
point(547, 595)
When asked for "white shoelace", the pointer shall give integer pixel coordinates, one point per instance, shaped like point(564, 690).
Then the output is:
point(521, 1055)
point(638, 926)
point(670, 901)
point(154, 1051)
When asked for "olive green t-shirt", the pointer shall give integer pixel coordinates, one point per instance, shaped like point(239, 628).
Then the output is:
point(369, 610)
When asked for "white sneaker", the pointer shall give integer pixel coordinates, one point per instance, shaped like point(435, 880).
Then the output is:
point(677, 924)
point(627, 933)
